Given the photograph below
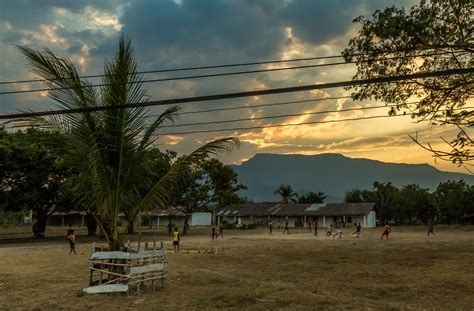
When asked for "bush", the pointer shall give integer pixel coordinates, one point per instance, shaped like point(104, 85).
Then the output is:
point(10, 218)
point(298, 223)
point(228, 225)
point(251, 226)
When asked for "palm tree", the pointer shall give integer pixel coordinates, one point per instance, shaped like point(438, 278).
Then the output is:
point(287, 194)
point(312, 197)
point(107, 148)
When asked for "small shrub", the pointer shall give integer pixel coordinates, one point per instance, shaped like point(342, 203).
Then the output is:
point(298, 223)
point(228, 226)
point(251, 226)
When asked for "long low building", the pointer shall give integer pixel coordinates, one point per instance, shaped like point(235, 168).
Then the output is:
point(278, 213)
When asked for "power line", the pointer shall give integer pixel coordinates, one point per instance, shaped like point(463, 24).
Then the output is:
point(288, 124)
point(219, 66)
point(173, 78)
point(190, 68)
point(276, 125)
point(241, 94)
point(206, 75)
point(256, 106)
point(280, 116)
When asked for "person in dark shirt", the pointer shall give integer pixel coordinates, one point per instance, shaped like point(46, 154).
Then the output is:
point(287, 228)
point(358, 229)
point(430, 228)
point(170, 228)
point(72, 242)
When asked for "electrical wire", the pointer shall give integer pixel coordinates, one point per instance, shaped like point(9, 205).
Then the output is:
point(310, 87)
point(256, 106)
point(217, 66)
point(289, 124)
point(204, 76)
point(280, 116)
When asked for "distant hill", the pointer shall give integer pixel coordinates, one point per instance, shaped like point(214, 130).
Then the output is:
point(333, 174)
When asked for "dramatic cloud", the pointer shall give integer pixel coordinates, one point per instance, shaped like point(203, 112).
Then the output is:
point(173, 34)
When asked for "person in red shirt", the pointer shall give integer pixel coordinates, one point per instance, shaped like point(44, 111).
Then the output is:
point(386, 231)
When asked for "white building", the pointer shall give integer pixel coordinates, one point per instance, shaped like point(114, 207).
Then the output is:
point(278, 213)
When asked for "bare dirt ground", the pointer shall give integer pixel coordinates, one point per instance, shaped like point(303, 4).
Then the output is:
point(249, 270)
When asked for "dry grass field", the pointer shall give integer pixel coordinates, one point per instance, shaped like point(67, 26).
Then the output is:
point(249, 270)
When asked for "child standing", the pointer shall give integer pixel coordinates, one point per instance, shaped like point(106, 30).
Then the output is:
point(430, 228)
point(72, 242)
point(329, 231)
point(287, 228)
point(358, 228)
point(176, 239)
point(386, 231)
point(270, 228)
point(221, 230)
point(316, 227)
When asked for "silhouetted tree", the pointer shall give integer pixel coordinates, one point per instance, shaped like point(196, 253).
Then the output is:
point(286, 193)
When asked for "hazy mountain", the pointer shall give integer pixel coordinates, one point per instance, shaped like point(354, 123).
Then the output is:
point(333, 174)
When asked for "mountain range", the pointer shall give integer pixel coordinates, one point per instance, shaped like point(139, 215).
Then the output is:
point(333, 174)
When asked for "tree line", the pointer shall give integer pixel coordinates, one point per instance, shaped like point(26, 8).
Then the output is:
point(35, 176)
point(410, 204)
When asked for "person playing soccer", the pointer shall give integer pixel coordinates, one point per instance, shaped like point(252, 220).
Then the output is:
point(213, 234)
point(329, 231)
point(72, 242)
point(358, 229)
point(270, 228)
point(221, 230)
point(386, 231)
point(176, 240)
point(316, 227)
point(170, 227)
point(338, 230)
point(287, 228)
point(430, 228)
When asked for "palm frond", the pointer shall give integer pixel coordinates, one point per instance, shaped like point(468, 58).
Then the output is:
point(162, 192)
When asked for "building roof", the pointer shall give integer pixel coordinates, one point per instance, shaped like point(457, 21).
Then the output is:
point(172, 211)
point(82, 213)
point(338, 209)
point(290, 209)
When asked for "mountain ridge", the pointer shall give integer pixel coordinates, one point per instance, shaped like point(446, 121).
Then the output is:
point(331, 173)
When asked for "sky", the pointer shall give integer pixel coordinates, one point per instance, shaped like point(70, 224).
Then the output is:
point(181, 33)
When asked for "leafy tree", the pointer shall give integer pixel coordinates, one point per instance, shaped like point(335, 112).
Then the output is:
point(108, 149)
point(454, 200)
point(32, 173)
point(434, 35)
point(384, 194)
point(213, 183)
point(286, 193)
point(223, 181)
point(359, 196)
point(312, 197)
point(414, 203)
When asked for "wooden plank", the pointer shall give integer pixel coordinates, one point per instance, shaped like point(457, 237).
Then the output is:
point(110, 255)
point(159, 277)
point(107, 272)
point(125, 255)
point(109, 288)
point(150, 253)
point(109, 263)
point(147, 268)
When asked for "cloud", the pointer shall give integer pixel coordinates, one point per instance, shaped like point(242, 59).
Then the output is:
point(172, 34)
